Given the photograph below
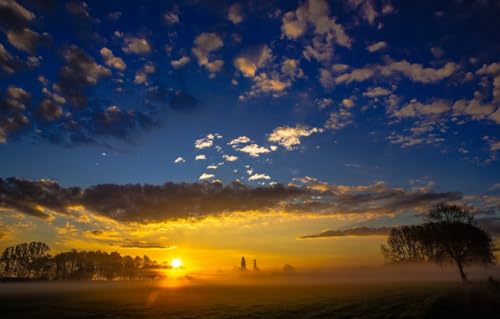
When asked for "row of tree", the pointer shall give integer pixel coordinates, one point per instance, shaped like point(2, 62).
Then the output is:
point(449, 234)
point(32, 261)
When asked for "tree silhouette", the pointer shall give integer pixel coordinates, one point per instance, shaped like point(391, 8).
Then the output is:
point(448, 235)
point(31, 261)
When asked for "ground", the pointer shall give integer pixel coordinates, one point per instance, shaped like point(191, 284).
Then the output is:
point(153, 300)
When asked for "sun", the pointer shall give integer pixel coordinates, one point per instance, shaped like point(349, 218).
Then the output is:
point(176, 263)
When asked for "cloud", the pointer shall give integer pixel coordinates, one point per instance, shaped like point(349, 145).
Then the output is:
point(254, 150)
point(80, 71)
point(338, 119)
point(249, 62)
point(8, 63)
point(180, 63)
point(200, 157)
point(111, 60)
point(49, 110)
point(327, 32)
point(377, 46)
point(348, 103)
point(376, 92)
point(149, 203)
point(416, 108)
point(179, 160)
point(136, 45)
point(12, 107)
point(366, 9)
point(204, 44)
point(490, 224)
point(288, 136)
point(171, 17)
point(143, 245)
point(15, 20)
point(239, 140)
point(235, 13)
point(14, 16)
point(26, 40)
point(141, 76)
point(256, 177)
point(413, 71)
point(230, 158)
point(359, 231)
point(206, 176)
point(207, 141)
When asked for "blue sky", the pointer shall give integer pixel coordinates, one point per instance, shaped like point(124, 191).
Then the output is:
point(389, 74)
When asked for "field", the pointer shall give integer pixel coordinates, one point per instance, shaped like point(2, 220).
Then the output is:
point(152, 300)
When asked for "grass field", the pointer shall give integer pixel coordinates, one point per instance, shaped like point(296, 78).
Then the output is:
point(140, 300)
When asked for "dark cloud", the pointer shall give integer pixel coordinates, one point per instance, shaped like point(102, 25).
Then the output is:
point(121, 124)
point(49, 110)
point(36, 198)
point(13, 104)
point(142, 244)
point(13, 16)
point(376, 198)
point(79, 72)
point(182, 101)
point(491, 225)
point(359, 231)
point(150, 203)
point(9, 64)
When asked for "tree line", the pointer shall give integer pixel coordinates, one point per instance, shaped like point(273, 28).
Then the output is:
point(33, 261)
point(449, 235)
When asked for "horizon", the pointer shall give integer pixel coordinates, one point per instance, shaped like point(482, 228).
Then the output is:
point(292, 132)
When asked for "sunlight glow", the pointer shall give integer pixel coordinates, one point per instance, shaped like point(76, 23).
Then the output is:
point(176, 263)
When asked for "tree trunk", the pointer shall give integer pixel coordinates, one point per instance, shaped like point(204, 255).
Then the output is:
point(463, 275)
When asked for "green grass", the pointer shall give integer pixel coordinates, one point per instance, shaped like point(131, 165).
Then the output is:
point(140, 300)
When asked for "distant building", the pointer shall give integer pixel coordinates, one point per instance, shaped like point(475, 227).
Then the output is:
point(243, 266)
point(288, 268)
point(255, 268)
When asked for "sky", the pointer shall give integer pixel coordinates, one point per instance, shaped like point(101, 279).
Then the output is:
point(292, 132)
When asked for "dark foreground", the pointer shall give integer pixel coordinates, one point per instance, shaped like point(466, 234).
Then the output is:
point(139, 300)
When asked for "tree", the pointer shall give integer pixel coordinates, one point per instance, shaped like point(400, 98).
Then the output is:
point(448, 235)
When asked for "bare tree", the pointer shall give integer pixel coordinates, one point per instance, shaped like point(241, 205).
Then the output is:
point(449, 235)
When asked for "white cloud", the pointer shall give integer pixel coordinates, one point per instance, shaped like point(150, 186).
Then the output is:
point(240, 140)
point(288, 136)
point(205, 176)
point(230, 158)
point(136, 45)
point(179, 160)
point(207, 141)
point(200, 157)
point(254, 150)
point(204, 45)
point(255, 177)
